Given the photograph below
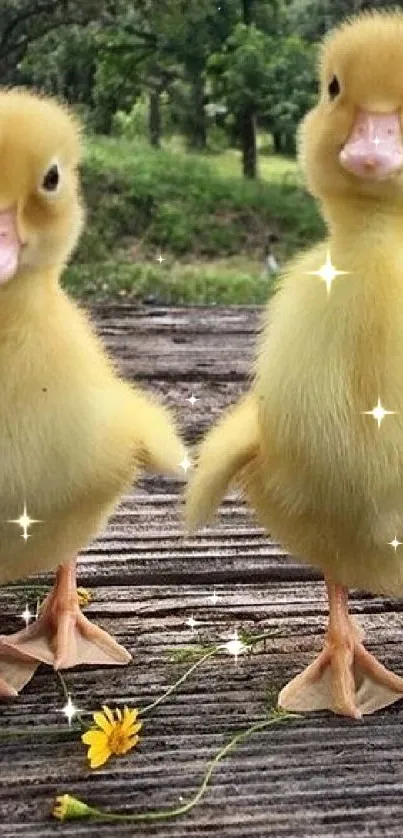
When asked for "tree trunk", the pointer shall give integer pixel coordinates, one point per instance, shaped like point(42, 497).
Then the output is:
point(247, 11)
point(248, 138)
point(198, 133)
point(154, 119)
point(248, 118)
point(277, 142)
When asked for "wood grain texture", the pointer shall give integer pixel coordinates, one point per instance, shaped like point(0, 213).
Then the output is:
point(321, 776)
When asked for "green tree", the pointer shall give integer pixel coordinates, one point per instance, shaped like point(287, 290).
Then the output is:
point(313, 18)
point(63, 62)
point(164, 46)
point(290, 89)
point(240, 77)
point(22, 22)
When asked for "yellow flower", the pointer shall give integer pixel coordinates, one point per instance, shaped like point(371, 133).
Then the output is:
point(69, 807)
point(111, 736)
point(84, 596)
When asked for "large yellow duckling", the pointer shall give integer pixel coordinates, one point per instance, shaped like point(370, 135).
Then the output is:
point(324, 473)
point(72, 433)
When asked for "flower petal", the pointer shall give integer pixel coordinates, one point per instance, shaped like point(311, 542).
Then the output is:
point(129, 717)
point(94, 737)
point(96, 750)
point(130, 731)
point(99, 758)
point(108, 714)
point(102, 722)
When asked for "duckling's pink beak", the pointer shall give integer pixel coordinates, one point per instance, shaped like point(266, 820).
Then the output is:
point(10, 245)
point(374, 148)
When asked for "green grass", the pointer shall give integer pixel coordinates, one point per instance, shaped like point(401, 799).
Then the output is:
point(210, 224)
point(172, 283)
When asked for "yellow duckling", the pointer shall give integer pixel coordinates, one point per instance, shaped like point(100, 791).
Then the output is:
point(73, 434)
point(323, 472)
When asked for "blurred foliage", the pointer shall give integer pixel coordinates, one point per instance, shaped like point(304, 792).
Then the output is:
point(242, 57)
point(142, 203)
point(211, 76)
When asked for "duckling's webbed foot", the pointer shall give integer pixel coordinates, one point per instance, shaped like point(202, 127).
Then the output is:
point(62, 636)
point(345, 677)
point(16, 670)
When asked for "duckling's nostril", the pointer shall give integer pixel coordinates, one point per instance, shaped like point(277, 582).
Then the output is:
point(374, 147)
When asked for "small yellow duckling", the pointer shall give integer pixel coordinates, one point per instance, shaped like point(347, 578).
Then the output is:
point(73, 434)
point(322, 470)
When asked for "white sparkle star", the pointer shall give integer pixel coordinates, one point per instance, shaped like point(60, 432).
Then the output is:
point(69, 710)
point(192, 623)
point(192, 399)
point(376, 141)
point(379, 412)
point(185, 464)
point(395, 543)
point(24, 521)
point(235, 646)
point(26, 615)
point(327, 272)
point(214, 597)
point(160, 259)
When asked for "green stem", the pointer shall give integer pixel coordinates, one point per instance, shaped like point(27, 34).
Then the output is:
point(28, 589)
point(37, 731)
point(257, 638)
point(220, 755)
point(67, 696)
point(177, 683)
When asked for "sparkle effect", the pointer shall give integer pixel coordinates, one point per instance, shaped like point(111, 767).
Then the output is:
point(27, 615)
point(235, 646)
point(395, 543)
point(327, 272)
point(69, 710)
point(185, 464)
point(214, 597)
point(378, 412)
point(160, 259)
point(192, 623)
point(192, 399)
point(24, 521)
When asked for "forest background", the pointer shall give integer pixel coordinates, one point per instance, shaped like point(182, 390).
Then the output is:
point(190, 109)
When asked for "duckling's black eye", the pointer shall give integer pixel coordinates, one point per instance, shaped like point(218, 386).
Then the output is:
point(51, 179)
point(334, 87)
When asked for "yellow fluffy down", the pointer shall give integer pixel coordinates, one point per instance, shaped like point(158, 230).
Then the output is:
point(224, 451)
point(321, 475)
point(73, 433)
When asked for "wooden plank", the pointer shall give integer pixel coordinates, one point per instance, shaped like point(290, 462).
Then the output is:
point(321, 776)
point(286, 772)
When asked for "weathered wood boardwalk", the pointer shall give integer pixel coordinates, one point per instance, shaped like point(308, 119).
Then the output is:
point(323, 776)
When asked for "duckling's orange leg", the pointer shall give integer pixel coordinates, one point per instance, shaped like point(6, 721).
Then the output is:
point(345, 677)
point(61, 635)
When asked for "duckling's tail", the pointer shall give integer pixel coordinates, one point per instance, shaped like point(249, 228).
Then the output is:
point(159, 446)
point(226, 449)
